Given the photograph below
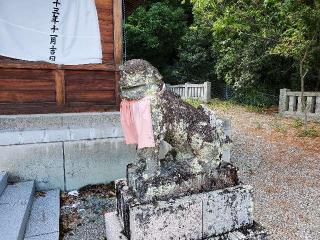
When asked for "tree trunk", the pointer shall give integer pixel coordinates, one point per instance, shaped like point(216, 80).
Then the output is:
point(303, 74)
point(303, 102)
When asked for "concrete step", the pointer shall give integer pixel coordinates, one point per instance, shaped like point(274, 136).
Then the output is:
point(44, 218)
point(15, 206)
point(3, 181)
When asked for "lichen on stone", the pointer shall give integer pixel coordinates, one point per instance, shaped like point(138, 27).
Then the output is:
point(195, 135)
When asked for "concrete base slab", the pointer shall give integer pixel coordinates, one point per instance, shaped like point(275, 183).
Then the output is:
point(254, 232)
point(66, 151)
point(67, 165)
point(40, 162)
point(15, 206)
point(98, 161)
point(3, 181)
point(58, 121)
point(44, 217)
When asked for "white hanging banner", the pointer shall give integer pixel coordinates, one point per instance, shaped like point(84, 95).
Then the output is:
point(55, 31)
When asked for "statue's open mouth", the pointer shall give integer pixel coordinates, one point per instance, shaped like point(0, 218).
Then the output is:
point(132, 87)
point(133, 91)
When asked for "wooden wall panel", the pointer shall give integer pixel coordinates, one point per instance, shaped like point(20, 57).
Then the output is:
point(26, 97)
point(96, 87)
point(86, 80)
point(97, 97)
point(26, 86)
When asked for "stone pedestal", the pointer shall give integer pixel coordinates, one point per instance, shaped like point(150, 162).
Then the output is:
point(219, 214)
point(114, 231)
point(225, 213)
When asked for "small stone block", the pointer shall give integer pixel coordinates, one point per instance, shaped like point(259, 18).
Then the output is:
point(174, 219)
point(9, 138)
point(113, 227)
point(80, 134)
point(226, 210)
point(34, 136)
point(57, 135)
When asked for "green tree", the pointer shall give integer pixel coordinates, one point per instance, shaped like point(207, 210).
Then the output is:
point(250, 39)
point(196, 57)
point(300, 40)
point(154, 31)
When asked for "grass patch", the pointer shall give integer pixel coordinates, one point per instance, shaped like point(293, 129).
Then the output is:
point(258, 125)
point(194, 102)
point(297, 123)
point(225, 105)
point(217, 103)
point(214, 103)
point(311, 132)
point(279, 127)
point(255, 109)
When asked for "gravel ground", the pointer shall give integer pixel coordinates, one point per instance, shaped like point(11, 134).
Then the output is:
point(283, 169)
point(82, 213)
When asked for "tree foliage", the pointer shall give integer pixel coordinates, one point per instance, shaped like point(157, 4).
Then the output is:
point(247, 34)
point(252, 46)
point(154, 31)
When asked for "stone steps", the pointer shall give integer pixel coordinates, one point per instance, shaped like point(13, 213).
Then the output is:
point(44, 217)
point(26, 215)
point(3, 181)
point(15, 206)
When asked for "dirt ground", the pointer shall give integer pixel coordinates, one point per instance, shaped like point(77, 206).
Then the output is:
point(283, 168)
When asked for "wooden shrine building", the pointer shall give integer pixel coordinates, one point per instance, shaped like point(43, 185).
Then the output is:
point(39, 87)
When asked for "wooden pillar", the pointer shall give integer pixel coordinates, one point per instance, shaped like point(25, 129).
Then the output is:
point(117, 34)
point(118, 44)
point(60, 87)
point(117, 89)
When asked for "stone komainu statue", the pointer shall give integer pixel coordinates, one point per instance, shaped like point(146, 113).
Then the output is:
point(195, 136)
